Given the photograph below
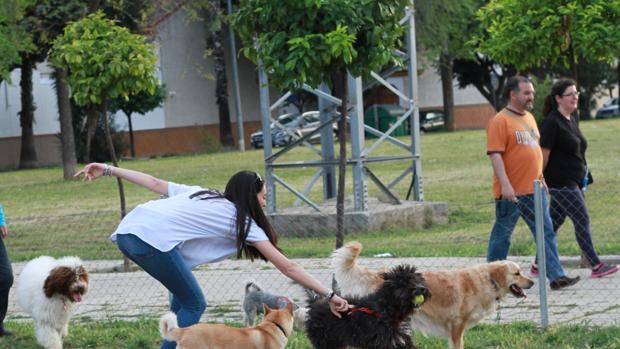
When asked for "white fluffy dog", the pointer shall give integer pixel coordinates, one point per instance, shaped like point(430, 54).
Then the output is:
point(47, 289)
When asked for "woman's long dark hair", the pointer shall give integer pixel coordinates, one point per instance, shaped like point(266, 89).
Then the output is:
point(242, 189)
point(557, 89)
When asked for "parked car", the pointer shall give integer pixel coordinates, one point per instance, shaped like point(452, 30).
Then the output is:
point(608, 110)
point(431, 120)
point(311, 121)
point(279, 137)
point(296, 125)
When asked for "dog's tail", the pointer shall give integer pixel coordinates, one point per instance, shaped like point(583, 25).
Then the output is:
point(352, 278)
point(251, 284)
point(169, 327)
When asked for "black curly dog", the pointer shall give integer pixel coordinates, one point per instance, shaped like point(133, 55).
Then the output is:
point(378, 320)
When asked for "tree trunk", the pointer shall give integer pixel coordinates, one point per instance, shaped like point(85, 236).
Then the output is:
point(339, 79)
point(92, 5)
point(66, 124)
point(28, 154)
point(121, 190)
point(447, 88)
point(573, 64)
point(215, 44)
point(133, 147)
point(91, 128)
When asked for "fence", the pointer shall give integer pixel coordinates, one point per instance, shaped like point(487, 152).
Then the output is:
point(128, 294)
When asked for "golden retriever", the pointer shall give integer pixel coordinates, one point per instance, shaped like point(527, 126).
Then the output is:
point(461, 298)
point(271, 333)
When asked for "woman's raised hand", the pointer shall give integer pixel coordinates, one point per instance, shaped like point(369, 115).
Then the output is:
point(91, 171)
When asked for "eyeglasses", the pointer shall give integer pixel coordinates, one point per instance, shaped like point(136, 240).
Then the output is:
point(572, 94)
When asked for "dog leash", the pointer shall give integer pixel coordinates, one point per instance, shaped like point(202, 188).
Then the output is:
point(365, 310)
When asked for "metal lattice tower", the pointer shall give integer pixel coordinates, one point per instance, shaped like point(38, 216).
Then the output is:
point(361, 155)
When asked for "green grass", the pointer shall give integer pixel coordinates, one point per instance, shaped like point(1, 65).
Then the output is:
point(50, 216)
point(144, 334)
point(57, 217)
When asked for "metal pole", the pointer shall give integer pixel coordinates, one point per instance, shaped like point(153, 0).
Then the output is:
point(327, 147)
point(265, 113)
point(360, 188)
point(235, 78)
point(412, 68)
point(540, 250)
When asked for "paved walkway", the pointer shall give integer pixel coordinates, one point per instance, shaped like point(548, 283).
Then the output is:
point(118, 295)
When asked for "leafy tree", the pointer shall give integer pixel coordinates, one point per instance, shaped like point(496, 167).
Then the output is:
point(105, 62)
point(538, 33)
point(141, 103)
point(132, 15)
point(13, 38)
point(443, 28)
point(42, 20)
point(313, 41)
point(486, 75)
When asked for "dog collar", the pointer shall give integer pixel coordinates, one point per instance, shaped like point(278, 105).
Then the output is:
point(365, 311)
point(280, 327)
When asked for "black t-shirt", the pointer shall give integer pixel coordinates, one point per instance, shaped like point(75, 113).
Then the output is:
point(567, 160)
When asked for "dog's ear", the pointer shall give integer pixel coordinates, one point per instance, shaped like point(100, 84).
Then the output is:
point(498, 275)
point(266, 309)
point(82, 274)
point(289, 307)
point(56, 281)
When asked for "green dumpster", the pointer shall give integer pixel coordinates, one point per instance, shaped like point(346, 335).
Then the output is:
point(383, 116)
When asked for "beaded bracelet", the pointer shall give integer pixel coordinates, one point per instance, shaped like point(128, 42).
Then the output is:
point(330, 295)
point(107, 170)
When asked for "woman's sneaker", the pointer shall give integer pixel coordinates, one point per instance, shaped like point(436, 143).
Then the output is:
point(563, 281)
point(534, 270)
point(603, 269)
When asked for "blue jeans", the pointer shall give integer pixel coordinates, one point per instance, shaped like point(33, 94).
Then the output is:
point(169, 268)
point(6, 280)
point(506, 216)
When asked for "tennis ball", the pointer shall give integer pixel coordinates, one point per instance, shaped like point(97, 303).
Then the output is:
point(419, 299)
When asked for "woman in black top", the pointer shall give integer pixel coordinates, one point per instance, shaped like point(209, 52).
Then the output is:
point(564, 162)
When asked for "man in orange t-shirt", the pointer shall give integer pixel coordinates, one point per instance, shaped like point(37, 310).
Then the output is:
point(516, 157)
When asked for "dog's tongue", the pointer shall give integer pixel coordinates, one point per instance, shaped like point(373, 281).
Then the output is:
point(517, 291)
point(77, 297)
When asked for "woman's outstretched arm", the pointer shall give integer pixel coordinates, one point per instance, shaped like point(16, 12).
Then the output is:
point(300, 275)
point(95, 170)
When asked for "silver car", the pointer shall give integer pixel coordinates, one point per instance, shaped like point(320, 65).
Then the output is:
point(608, 110)
point(295, 126)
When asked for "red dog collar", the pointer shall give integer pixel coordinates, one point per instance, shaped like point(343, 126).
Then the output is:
point(366, 311)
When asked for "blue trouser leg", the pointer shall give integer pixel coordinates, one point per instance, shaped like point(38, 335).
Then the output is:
point(506, 216)
point(169, 268)
point(6, 280)
point(571, 202)
point(526, 206)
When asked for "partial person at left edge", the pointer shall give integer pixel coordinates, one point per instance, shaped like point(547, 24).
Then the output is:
point(6, 274)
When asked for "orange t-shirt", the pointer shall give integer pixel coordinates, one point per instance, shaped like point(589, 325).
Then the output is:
point(516, 138)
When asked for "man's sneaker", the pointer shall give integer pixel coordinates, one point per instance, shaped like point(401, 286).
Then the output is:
point(563, 281)
point(603, 269)
point(534, 270)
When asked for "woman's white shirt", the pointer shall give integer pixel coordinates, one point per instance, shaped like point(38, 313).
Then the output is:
point(204, 229)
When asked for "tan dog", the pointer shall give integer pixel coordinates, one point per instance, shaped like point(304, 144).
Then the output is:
point(461, 298)
point(271, 333)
